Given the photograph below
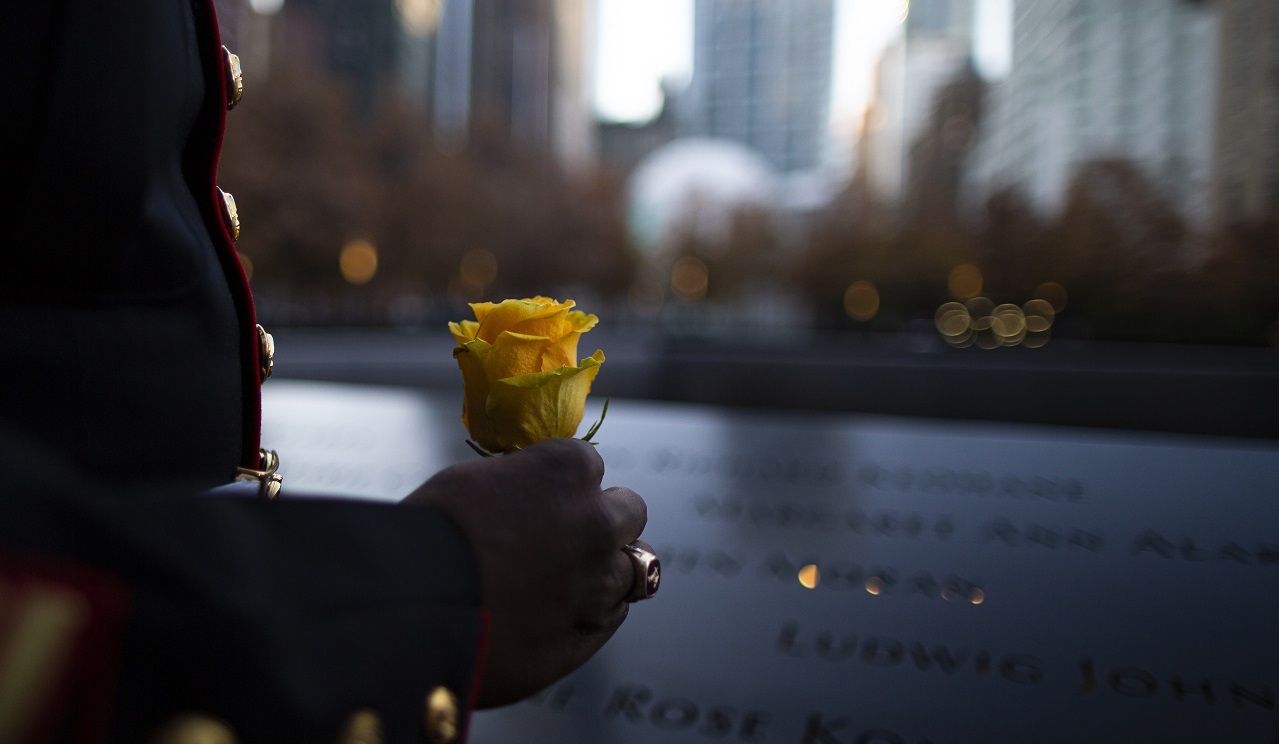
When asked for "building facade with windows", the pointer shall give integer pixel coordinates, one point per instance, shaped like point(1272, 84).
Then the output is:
point(1245, 172)
point(934, 49)
point(1096, 79)
point(762, 77)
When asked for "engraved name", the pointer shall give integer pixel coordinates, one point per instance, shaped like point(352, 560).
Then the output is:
point(822, 517)
point(1087, 677)
point(945, 481)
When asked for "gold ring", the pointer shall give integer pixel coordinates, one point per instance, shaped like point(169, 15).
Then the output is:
point(648, 570)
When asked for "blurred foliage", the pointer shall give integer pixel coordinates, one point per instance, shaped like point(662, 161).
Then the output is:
point(309, 177)
point(739, 263)
point(1133, 266)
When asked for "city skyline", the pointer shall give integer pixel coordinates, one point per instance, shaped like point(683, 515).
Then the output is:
point(1161, 78)
point(762, 78)
point(638, 45)
point(1094, 80)
point(629, 69)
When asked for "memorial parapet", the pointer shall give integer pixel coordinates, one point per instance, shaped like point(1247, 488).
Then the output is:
point(852, 579)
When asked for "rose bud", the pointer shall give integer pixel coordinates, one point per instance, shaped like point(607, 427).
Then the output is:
point(521, 379)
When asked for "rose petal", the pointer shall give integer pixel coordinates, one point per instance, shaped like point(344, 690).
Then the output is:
point(515, 354)
point(531, 408)
point(553, 327)
point(582, 322)
point(546, 301)
point(561, 353)
point(464, 331)
point(481, 310)
point(563, 349)
point(475, 389)
point(508, 316)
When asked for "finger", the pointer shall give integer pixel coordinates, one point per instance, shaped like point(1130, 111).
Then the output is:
point(567, 456)
point(600, 603)
point(624, 575)
point(630, 514)
point(591, 636)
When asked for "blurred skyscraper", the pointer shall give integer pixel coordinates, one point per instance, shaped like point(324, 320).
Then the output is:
point(1094, 79)
point(1245, 173)
point(762, 76)
point(356, 39)
point(528, 73)
point(516, 68)
point(448, 90)
point(935, 48)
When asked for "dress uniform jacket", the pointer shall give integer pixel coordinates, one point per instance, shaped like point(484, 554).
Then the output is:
point(132, 606)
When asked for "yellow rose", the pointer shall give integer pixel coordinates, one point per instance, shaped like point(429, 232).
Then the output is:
point(519, 371)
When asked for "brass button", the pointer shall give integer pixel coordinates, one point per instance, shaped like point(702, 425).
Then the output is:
point(230, 215)
point(266, 353)
point(234, 78)
point(267, 477)
point(194, 729)
point(363, 727)
point(441, 716)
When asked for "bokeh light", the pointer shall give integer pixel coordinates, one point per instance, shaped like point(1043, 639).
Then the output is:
point(980, 307)
point(1008, 324)
point(478, 267)
point(965, 282)
point(861, 301)
point(358, 261)
point(953, 322)
point(689, 279)
point(1039, 315)
point(1054, 293)
point(979, 322)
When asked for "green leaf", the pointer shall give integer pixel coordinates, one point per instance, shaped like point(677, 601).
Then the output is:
point(596, 426)
point(482, 452)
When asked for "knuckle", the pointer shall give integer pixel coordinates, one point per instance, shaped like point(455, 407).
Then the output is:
point(599, 525)
point(631, 511)
point(639, 506)
point(574, 457)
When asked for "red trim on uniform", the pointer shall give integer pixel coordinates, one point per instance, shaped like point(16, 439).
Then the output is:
point(480, 654)
point(81, 674)
point(210, 40)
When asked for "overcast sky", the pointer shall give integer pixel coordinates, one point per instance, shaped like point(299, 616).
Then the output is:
point(638, 42)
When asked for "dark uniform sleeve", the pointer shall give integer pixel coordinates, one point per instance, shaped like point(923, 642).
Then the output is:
point(131, 363)
point(283, 621)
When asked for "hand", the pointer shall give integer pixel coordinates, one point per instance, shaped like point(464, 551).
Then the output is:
point(548, 542)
